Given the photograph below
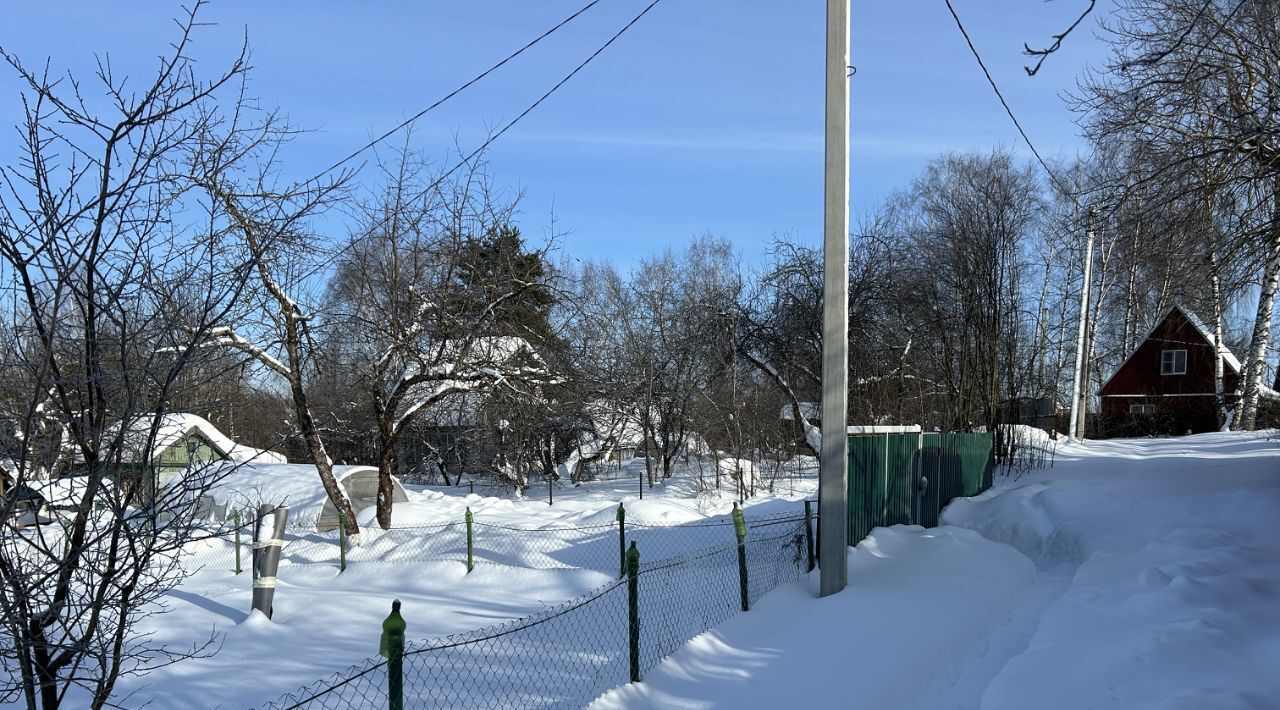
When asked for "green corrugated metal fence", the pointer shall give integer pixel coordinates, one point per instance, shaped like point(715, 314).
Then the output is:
point(885, 472)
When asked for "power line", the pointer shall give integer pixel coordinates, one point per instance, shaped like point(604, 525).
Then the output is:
point(470, 156)
point(461, 88)
point(542, 98)
point(1017, 124)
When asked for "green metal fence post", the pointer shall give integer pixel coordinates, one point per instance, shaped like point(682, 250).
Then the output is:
point(633, 609)
point(391, 646)
point(622, 541)
point(342, 542)
point(808, 531)
point(470, 560)
point(740, 529)
point(235, 517)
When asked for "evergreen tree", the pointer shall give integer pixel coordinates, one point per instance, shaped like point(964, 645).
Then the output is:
point(496, 267)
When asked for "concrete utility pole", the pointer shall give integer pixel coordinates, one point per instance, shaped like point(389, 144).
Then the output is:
point(833, 510)
point(1078, 397)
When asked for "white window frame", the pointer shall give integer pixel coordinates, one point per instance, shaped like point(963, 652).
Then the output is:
point(1169, 362)
point(1142, 409)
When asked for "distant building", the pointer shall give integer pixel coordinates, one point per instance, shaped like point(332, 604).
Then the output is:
point(1166, 385)
point(1031, 411)
point(153, 458)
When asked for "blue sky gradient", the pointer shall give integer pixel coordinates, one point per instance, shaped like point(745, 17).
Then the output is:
point(705, 117)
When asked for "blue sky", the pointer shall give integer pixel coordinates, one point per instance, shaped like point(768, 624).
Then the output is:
point(705, 117)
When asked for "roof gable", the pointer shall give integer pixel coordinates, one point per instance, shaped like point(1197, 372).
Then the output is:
point(1229, 360)
point(174, 427)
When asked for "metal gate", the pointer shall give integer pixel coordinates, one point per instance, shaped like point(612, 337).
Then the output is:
point(908, 478)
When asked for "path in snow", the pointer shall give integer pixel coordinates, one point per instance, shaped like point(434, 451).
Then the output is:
point(1026, 522)
point(1153, 586)
point(1006, 640)
point(1173, 604)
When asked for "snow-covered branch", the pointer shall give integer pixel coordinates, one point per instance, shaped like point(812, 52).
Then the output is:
point(224, 336)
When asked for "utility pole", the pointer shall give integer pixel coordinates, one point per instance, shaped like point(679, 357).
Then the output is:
point(833, 471)
point(1078, 397)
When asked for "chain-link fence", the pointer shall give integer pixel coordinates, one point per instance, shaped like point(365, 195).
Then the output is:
point(594, 547)
point(568, 655)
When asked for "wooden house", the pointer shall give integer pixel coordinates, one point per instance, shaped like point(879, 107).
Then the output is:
point(1166, 385)
point(152, 453)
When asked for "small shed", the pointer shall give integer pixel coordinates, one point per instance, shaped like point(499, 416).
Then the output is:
point(245, 486)
point(181, 440)
point(1166, 385)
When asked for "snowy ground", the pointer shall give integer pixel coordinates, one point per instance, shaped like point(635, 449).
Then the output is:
point(1134, 574)
point(324, 621)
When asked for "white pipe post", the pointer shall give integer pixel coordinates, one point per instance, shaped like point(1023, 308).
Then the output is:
point(833, 478)
point(1075, 428)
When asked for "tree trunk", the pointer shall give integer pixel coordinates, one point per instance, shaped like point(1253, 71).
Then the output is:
point(1256, 362)
point(47, 677)
point(386, 464)
point(320, 456)
point(1220, 395)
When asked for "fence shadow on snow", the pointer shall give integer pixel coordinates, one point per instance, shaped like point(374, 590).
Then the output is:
point(570, 654)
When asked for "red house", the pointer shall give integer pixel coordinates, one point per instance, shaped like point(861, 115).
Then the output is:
point(1166, 385)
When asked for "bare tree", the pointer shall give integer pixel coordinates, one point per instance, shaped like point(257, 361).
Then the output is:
point(270, 224)
point(116, 268)
point(966, 222)
point(436, 301)
point(1196, 83)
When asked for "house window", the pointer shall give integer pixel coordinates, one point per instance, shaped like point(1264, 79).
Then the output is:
point(1142, 409)
point(1173, 362)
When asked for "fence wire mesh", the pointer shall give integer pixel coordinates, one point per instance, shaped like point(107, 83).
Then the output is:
point(593, 547)
point(570, 654)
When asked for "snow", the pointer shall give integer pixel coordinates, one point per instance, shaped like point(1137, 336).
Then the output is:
point(492, 349)
point(608, 422)
point(325, 621)
point(225, 336)
point(173, 427)
point(245, 486)
point(1131, 574)
point(787, 647)
point(1024, 435)
point(808, 410)
point(1172, 602)
point(64, 492)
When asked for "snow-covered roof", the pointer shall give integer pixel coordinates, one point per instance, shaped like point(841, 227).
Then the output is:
point(175, 426)
point(68, 490)
point(1228, 358)
point(489, 349)
point(808, 410)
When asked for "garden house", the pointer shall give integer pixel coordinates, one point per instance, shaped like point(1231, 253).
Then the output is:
point(1166, 385)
